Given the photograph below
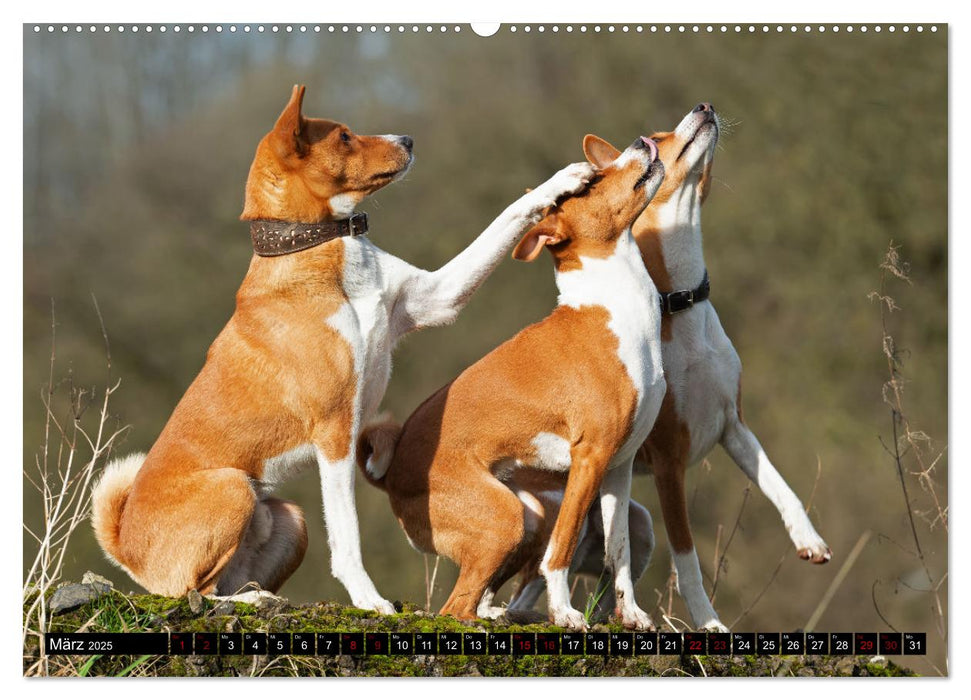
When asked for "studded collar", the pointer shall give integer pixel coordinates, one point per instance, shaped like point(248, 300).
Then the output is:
point(273, 238)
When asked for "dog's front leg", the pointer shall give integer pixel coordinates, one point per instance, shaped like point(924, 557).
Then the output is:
point(343, 533)
point(436, 298)
point(615, 503)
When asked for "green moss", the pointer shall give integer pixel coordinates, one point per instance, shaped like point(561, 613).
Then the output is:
point(117, 612)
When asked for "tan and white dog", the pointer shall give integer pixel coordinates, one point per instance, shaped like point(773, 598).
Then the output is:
point(298, 369)
point(576, 393)
point(702, 407)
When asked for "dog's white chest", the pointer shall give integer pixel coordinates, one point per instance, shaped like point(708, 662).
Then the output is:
point(622, 285)
point(364, 321)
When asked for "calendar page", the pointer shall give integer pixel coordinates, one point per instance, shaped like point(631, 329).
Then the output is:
point(290, 409)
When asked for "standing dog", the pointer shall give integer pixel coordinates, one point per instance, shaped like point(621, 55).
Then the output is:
point(302, 363)
point(702, 407)
point(577, 392)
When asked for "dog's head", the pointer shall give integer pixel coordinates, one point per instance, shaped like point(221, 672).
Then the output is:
point(688, 153)
point(313, 170)
point(588, 224)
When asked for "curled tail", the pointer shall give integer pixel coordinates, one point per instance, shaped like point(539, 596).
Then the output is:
point(108, 501)
point(375, 450)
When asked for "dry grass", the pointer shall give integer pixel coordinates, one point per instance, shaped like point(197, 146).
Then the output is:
point(75, 444)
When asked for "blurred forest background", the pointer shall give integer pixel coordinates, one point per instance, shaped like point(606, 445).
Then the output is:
point(137, 148)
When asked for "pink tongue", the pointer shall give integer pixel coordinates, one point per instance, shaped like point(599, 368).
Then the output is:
point(651, 145)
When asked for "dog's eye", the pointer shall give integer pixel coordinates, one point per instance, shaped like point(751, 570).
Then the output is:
point(345, 137)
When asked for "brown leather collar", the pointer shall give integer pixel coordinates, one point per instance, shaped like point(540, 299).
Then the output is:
point(272, 238)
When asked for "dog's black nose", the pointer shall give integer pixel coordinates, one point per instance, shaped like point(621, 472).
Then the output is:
point(406, 141)
point(704, 107)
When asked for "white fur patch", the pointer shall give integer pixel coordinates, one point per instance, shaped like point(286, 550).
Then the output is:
point(117, 476)
point(342, 205)
point(552, 452)
point(621, 284)
point(285, 466)
point(530, 501)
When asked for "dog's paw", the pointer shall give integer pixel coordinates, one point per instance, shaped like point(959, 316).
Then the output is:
point(570, 618)
point(636, 619)
point(378, 604)
point(713, 626)
point(817, 554)
point(490, 612)
point(570, 180)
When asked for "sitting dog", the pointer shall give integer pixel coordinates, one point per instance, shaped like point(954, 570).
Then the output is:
point(702, 406)
point(577, 392)
point(301, 365)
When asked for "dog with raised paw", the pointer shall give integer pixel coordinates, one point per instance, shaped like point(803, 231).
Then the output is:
point(299, 368)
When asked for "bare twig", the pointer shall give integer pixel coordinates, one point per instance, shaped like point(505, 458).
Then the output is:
point(65, 467)
point(837, 582)
point(721, 561)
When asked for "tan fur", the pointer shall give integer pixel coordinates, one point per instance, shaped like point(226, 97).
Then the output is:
point(276, 377)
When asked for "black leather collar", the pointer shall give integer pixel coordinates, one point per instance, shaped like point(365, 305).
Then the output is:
point(272, 238)
point(683, 299)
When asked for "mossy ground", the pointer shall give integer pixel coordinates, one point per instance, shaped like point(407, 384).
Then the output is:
point(116, 612)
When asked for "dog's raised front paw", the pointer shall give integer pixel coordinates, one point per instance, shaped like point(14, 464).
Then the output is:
point(570, 180)
point(818, 553)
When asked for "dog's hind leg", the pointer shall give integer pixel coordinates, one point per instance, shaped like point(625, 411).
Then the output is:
point(743, 447)
point(493, 545)
point(274, 546)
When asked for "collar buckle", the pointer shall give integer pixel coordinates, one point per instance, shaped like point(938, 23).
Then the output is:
point(357, 224)
point(676, 302)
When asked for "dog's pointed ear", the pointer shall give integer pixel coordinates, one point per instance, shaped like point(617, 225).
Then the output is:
point(291, 127)
point(549, 231)
point(598, 151)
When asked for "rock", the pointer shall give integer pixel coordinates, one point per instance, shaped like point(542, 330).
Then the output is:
point(269, 604)
point(74, 595)
point(845, 666)
point(98, 581)
point(224, 607)
point(196, 603)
